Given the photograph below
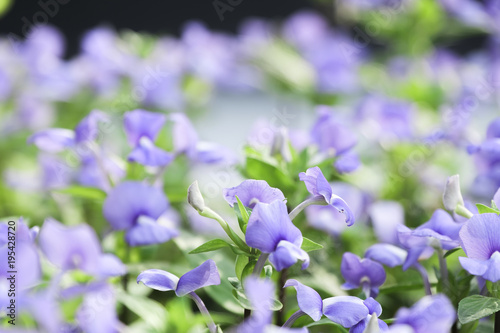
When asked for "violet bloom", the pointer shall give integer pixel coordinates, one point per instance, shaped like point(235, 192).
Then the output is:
point(271, 231)
point(319, 187)
point(142, 128)
point(440, 231)
point(328, 218)
point(261, 293)
point(480, 238)
point(364, 273)
point(202, 276)
point(135, 207)
point(77, 248)
point(386, 216)
point(252, 191)
point(348, 311)
point(331, 136)
point(431, 314)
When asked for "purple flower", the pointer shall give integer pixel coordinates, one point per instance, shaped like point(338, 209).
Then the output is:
point(330, 135)
point(202, 276)
point(77, 248)
point(480, 238)
point(386, 254)
point(97, 313)
point(271, 231)
point(252, 191)
point(309, 300)
point(352, 312)
point(328, 218)
point(318, 186)
point(142, 128)
point(260, 293)
point(441, 230)
point(386, 216)
point(431, 314)
point(364, 273)
point(136, 207)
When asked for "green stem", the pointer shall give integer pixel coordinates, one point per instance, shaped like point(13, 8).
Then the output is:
point(207, 212)
point(316, 200)
point(203, 309)
point(260, 264)
point(293, 318)
point(124, 280)
point(283, 276)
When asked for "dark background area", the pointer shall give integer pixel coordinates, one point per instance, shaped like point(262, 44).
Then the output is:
point(74, 17)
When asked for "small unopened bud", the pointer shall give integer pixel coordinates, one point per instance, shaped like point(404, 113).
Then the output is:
point(195, 198)
point(452, 196)
point(372, 326)
point(280, 144)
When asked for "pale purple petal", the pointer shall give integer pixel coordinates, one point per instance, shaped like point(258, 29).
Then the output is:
point(316, 183)
point(147, 231)
point(110, 265)
point(373, 306)
point(129, 200)
point(146, 153)
point(309, 300)
point(358, 271)
point(97, 313)
point(431, 314)
point(88, 128)
point(70, 247)
point(474, 266)
point(347, 162)
point(139, 123)
point(184, 135)
point(480, 236)
point(252, 191)
point(158, 279)
point(53, 140)
point(386, 254)
point(385, 217)
point(287, 254)
point(345, 310)
point(268, 225)
point(202, 276)
point(343, 208)
point(362, 325)
point(330, 135)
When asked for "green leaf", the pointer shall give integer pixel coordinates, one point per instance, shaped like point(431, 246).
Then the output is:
point(234, 282)
point(245, 303)
point(214, 244)
point(257, 168)
point(151, 311)
point(84, 192)
point(326, 321)
point(243, 214)
point(268, 271)
point(248, 270)
point(485, 209)
point(308, 245)
point(476, 307)
point(241, 262)
point(450, 252)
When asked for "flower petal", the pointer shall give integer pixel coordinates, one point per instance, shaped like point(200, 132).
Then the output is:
point(87, 129)
point(146, 153)
point(386, 254)
point(316, 183)
point(474, 266)
point(252, 191)
point(147, 231)
point(345, 310)
point(53, 140)
point(158, 279)
point(110, 265)
point(202, 276)
point(480, 236)
point(139, 123)
point(129, 200)
point(287, 254)
point(309, 300)
point(268, 225)
point(342, 207)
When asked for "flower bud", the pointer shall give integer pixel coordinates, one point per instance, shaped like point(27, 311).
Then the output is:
point(195, 198)
point(452, 197)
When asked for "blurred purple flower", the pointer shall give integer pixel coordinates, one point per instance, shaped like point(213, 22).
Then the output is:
point(77, 248)
point(364, 273)
point(142, 128)
point(386, 216)
point(135, 207)
point(202, 276)
point(431, 314)
point(318, 186)
point(271, 231)
point(386, 254)
point(260, 293)
point(440, 231)
point(252, 191)
point(480, 238)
